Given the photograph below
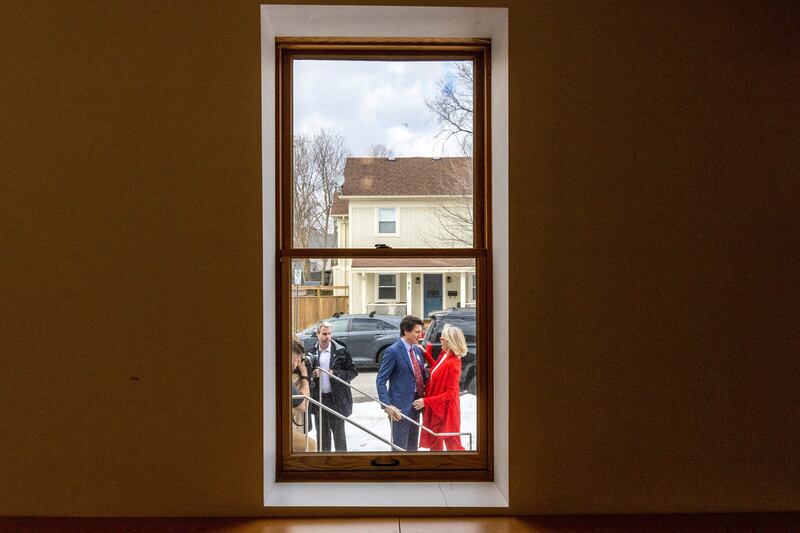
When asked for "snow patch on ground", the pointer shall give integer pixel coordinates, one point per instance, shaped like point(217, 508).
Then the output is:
point(371, 416)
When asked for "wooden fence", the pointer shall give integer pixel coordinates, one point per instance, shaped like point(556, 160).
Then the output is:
point(312, 303)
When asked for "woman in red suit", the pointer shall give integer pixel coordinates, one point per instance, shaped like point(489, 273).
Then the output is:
point(441, 402)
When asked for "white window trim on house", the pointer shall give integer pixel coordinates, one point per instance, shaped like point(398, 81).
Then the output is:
point(378, 287)
point(385, 21)
point(378, 232)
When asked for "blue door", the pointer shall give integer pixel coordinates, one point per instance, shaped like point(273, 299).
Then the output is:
point(432, 285)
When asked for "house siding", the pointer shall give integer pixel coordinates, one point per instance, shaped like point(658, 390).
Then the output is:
point(418, 225)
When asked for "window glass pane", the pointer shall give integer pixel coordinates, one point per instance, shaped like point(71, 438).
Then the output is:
point(387, 293)
point(387, 220)
point(366, 327)
point(391, 136)
point(387, 287)
point(387, 227)
point(365, 324)
point(338, 325)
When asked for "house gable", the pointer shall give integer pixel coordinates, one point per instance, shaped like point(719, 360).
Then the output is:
point(419, 188)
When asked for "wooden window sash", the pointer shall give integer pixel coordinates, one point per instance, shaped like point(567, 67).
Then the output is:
point(352, 466)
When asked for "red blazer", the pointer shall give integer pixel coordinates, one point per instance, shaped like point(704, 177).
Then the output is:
point(442, 401)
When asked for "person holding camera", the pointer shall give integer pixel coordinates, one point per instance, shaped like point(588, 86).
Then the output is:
point(300, 385)
point(329, 355)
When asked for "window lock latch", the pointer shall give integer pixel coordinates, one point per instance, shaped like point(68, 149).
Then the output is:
point(390, 462)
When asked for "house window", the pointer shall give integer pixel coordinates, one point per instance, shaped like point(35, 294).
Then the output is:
point(474, 287)
point(387, 220)
point(334, 172)
point(387, 287)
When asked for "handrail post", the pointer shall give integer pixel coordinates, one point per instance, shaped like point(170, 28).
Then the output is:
point(319, 418)
point(306, 428)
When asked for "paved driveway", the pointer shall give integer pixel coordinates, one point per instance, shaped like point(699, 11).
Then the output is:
point(366, 382)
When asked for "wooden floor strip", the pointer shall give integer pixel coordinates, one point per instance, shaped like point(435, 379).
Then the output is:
point(689, 523)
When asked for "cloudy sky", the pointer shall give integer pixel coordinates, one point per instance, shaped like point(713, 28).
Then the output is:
point(372, 102)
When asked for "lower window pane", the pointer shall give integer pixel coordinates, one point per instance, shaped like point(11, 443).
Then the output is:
point(386, 227)
point(348, 319)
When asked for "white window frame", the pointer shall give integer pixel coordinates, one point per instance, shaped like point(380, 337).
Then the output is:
point(391, 21)
point(378, 232)
point(378, 286)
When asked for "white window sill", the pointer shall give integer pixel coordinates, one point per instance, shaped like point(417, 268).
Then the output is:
point(443, 494)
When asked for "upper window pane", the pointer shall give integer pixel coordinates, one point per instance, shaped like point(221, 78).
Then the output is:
point(382, 154)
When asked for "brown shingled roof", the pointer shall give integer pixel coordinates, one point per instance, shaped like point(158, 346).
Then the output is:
point(340, 205)
point(379, 176)
point(411, 262)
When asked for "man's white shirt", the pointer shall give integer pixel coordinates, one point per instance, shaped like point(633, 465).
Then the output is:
point(325, 363)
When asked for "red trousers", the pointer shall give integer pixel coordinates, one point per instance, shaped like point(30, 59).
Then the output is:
point(452, 443)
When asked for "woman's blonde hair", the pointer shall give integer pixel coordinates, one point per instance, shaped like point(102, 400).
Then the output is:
point(455, 338)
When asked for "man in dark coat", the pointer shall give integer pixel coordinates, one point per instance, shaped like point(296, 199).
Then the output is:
point(330, 355)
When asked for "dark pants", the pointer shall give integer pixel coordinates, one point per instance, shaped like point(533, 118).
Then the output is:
point(405, 434)
point(330, 424)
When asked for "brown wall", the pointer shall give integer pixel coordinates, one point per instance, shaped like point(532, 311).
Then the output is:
point(654, 252)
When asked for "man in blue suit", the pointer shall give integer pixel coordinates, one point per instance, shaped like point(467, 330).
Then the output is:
point(403, 366)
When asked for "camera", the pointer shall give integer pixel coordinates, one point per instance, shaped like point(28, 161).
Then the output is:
point(311, 361)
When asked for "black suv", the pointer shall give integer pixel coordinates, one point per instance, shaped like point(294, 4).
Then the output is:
point(365, 336)
point(464, 319)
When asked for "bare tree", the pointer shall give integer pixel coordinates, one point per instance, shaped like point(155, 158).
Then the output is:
point(451, 199)
point(329, 154)
point(303, 191)
point(304, 201)
point(451, 107)
point(379, 150)
point(318, 164)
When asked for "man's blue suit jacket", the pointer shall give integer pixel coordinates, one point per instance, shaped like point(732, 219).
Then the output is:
point(396, 368)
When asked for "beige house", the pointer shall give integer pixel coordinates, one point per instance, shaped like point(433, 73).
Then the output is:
point(410, 202)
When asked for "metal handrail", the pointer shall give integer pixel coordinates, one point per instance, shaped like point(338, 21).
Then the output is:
point(469, 434)
point(346, 419)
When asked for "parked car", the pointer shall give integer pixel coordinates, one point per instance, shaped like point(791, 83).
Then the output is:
point(365, 336)
point(463, 318)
